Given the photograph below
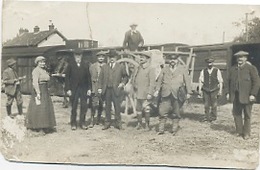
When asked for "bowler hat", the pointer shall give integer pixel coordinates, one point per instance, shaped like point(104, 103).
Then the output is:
point(39, 58)
point(241, 53)
point(112, 53)
point(209, 60)
point(10, 62)
point(78, 51)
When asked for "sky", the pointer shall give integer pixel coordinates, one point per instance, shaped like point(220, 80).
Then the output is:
point(108, 22)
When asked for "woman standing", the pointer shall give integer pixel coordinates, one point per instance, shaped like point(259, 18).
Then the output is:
point(40, 115)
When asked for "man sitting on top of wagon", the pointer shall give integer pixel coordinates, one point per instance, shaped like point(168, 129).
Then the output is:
point(175, 87)
point(133, 39)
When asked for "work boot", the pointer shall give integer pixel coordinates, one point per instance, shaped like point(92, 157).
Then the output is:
point(107, 126)
point(20, 109)
point(239, 124)
point(162, 122)
point(147, 121)
point(139, 121)
point(247, 128)
point(9, 110)
point(147, 125)
point(99, 117)
point(175, 126)
point(92, 123)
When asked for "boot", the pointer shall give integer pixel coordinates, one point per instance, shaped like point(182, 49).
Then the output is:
point(98, 119)
point(139, 121)
point(147, 121)
point(9, 110)
point(92, 122)
point(162, 122)
point(20, 109)
point(99, 116)
point(175, 126)
point(247, 128)
point(239, 124)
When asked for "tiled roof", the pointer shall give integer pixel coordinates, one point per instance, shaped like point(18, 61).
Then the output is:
point(31, 39)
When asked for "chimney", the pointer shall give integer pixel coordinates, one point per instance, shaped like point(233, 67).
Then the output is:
point(51, 27)
point(23, 30)
point(36, 29)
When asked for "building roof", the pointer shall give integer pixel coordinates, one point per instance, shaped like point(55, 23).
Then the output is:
point(32, 39)
point(28, 51)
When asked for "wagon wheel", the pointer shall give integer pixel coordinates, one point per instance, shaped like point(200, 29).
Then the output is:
point(129, 87)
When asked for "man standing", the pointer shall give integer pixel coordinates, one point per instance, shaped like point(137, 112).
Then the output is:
point(78, 86)
point(144, 84)
point(243, 86)
point(12, 87)
point(97, 102)
point(112, 80)
point(133, 39)
point(210, 87)
point(171, 82)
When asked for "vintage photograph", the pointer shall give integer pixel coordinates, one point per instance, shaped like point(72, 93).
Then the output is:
point(117, 83)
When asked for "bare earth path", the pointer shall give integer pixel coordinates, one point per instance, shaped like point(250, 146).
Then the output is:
point(197, 144)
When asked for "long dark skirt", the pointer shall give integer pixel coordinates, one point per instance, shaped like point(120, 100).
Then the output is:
point(41, 116)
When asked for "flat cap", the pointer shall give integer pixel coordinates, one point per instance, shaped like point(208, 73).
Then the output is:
point(209, 60)
point(171, 56)
point(145, 53)
point(39, 58)
point(133, 24)
point(102, 53)
point(10, 62)
point(241, 53)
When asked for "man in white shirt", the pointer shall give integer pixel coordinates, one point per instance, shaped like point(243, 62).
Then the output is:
point(210, 87)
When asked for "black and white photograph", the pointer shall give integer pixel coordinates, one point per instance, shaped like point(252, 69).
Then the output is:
point(130, 84)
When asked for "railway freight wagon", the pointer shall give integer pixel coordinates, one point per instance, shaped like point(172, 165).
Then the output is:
point(224, 58)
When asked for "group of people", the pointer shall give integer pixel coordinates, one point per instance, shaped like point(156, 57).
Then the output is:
point(104, 83)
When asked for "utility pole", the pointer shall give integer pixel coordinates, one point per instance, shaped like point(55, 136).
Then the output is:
point(246, 22)
point(223, 37)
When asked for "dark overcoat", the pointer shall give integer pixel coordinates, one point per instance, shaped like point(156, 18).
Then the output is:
point(248, 82)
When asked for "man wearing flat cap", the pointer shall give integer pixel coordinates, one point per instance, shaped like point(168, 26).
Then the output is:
point(133, 39)
point(172, 82)
point(210, 87)
point(78, 86)
point(12, 87)
point(111, 82)
point(144, 84)
point(97, 102)
point(243, 86)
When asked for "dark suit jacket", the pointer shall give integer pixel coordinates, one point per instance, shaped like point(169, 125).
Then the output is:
point(8, 79)
point(248, 82)
point(77, 76)
point(119, 76)
point(132, 41)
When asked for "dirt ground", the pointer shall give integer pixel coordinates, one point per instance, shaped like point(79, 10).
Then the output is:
point(197, 144)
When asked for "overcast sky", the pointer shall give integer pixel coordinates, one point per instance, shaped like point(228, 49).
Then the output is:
point(158, 23)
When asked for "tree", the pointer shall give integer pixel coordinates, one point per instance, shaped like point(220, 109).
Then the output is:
point(253, 31)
